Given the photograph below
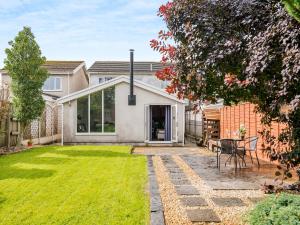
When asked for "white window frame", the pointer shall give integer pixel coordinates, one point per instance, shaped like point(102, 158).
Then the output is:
point(55, 79)
point(89, 133)
point(107, 79)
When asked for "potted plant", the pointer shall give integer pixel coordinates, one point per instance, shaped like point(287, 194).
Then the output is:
point(29, 142)
point(242, 131)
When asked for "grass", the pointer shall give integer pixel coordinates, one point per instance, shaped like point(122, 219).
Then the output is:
point(74, 185)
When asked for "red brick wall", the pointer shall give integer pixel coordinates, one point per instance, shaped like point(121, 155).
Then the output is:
point(232, 117)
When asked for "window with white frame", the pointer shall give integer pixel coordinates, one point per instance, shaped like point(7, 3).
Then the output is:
point(108, 78)
point(96, 112)
point(53, 84)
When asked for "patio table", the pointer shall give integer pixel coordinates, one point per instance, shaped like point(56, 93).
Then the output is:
point(234, 153)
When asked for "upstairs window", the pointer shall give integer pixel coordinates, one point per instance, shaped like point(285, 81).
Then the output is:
point(53, 84)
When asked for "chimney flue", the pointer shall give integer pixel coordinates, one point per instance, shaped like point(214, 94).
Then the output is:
point(131, 96)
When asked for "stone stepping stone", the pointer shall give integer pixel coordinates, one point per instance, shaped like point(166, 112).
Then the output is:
point(193, 201)
point(175, 170)
point(180, 181)
point(176, 176)
point(202, 215)
point(186, 190)
point(256, 199)
point(228, 202)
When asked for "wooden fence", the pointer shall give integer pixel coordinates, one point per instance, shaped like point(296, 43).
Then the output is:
point(232, 117)
point(44, 130)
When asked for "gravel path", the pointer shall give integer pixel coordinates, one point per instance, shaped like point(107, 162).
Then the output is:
point(176, 214)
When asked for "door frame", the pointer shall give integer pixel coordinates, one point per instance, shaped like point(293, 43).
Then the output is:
point(147, 123)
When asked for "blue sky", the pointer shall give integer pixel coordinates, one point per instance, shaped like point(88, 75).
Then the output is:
point(84, 29)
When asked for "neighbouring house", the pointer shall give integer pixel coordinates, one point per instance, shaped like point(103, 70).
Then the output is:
point(103, 113)
point(65, 77)
point(102, 71)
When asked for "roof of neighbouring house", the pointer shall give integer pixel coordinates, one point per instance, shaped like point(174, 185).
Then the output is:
point(124, 66)
point(59, 67)
point(113, 82)
point(63, 67)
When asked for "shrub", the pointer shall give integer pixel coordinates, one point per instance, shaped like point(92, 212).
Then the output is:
point(277, 210)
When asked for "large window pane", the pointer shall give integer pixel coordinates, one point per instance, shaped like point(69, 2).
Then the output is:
point(82, 114)
point(109, 110)
point(96, 112)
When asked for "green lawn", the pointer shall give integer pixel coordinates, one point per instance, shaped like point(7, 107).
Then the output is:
point(74, 185)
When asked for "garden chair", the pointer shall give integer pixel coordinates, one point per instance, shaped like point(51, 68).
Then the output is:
point(226, 147)
point(252, 141)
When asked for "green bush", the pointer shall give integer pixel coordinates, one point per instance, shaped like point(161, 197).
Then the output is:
point(283, 209)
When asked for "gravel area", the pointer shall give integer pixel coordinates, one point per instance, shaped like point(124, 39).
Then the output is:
point(228, 215)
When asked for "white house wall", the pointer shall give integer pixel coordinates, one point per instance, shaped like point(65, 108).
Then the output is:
point(129, 120)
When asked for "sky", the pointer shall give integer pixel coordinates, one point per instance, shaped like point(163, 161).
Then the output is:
point(86, 30)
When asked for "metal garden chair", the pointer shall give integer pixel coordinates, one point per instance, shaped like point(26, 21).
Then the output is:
point(252, 141)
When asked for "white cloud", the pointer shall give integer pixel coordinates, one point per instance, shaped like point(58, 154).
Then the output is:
point(78, 29)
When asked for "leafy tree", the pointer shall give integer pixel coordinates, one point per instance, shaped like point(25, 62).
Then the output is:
point(293, 8)
point(24, 62)
point(239, 51)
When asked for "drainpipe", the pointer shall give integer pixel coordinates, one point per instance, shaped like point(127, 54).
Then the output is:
point(131, 97)
point(68, 83)
point(62, 124)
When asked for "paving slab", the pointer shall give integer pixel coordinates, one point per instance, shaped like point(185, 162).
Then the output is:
point(156, 204)
point(228, 202)
point(175, 170)
point(203, 215)
point(193, 201)
point(186, 190)
point(180, 182)
point(180, 176)
point(157, 218)
point(227, 178)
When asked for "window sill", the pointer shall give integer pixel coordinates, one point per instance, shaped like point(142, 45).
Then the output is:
point(53, 90)
point(96, 134)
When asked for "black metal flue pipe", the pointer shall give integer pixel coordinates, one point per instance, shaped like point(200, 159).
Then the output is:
point(131, 71)
point(131, 96)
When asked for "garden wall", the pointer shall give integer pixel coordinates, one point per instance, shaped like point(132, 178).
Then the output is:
point(233, 116)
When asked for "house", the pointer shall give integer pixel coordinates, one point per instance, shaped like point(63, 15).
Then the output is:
point(105, 113)
point(102, 71)
point(65, 77)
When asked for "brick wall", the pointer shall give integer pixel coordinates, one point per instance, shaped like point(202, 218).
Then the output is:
point(232, 117)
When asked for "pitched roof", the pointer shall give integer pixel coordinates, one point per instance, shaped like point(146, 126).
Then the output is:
point(59, 67)
point(124, 66)
point(62, 67)
point(113, 82)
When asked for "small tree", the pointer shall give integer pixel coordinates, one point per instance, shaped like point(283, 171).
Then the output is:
point(24, 64)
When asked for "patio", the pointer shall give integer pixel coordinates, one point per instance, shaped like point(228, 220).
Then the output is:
point(194, 191)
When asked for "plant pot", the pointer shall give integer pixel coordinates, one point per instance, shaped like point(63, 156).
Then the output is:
point(243, 137)
point(29, 144)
